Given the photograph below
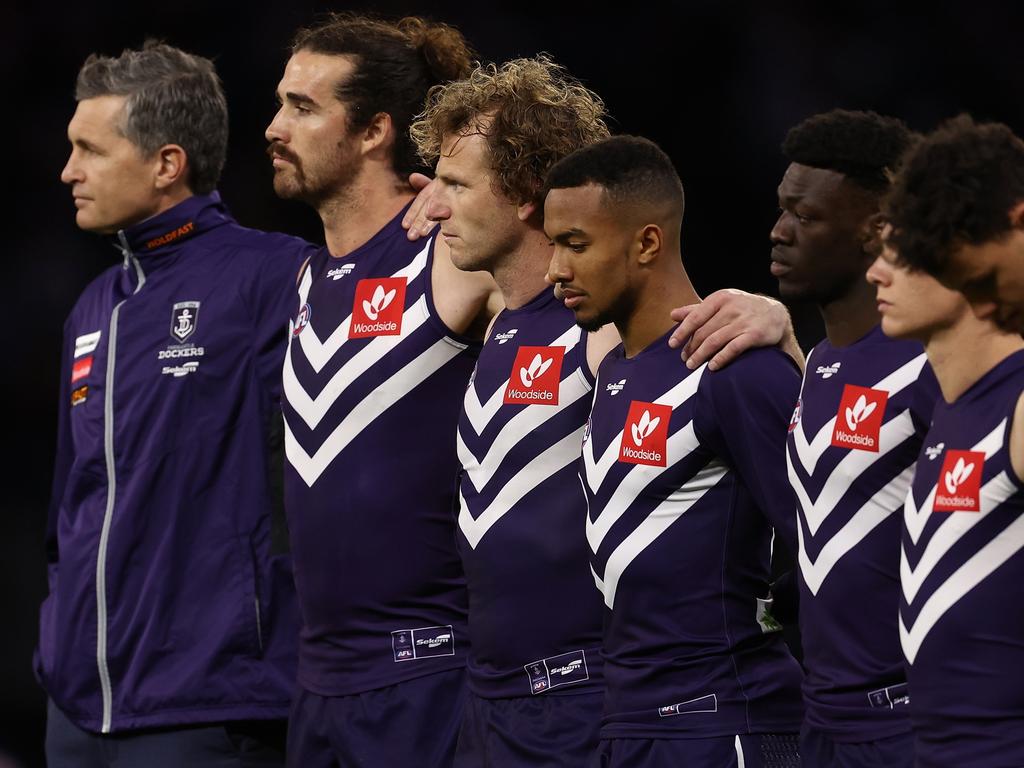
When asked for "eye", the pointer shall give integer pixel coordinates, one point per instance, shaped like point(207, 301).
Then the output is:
point(577, 247)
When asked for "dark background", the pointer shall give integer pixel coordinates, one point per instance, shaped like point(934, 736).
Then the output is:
point(715, 83)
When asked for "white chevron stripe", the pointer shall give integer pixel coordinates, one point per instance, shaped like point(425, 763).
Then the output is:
point(896, 381)
point(598, 470)
point(964, 579)
point(914, 517)
point(680, 445)
point(849, 468)
point(597, 579)
point(544, 465)
point(880, 506)
point(480, 415)
point(373, 405)
point(995, 492)
point(317, 352)
point(657, 522)
point(312, 410)
point(571, 389)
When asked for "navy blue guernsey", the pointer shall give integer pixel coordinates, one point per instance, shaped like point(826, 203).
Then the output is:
point(961, 617)
point(853, 441)
point(684, 473)
point(372, 383)
point(535, 616)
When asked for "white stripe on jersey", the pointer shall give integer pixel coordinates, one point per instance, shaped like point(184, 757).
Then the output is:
point(741, 761)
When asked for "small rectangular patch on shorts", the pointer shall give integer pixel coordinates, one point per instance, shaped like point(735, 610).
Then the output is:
point(423, 643)
point(554, 671)
point(889, 698)
point(707, 703)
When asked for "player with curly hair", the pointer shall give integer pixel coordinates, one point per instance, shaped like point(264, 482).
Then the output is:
point(957, 209)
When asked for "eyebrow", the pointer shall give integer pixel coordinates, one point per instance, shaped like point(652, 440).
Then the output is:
point(298, 98)
point(564, 237)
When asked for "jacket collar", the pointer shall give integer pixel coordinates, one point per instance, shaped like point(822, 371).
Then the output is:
point(163, 233)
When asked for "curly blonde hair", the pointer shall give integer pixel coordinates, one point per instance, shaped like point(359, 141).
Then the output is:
point(531, 112)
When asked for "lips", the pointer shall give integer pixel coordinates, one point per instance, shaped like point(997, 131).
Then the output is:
point(570, 297)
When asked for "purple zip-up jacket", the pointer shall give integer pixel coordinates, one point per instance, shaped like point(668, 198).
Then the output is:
point(171, 597)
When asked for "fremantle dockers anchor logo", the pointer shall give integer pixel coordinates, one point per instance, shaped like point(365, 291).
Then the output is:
point(184, 317)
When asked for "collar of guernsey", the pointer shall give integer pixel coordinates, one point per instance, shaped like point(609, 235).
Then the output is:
point(162, 234)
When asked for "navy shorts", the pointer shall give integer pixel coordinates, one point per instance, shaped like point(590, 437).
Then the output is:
point(530, 732)
point(820, 751)
point(251, 744)
point(415, 723)
point(758, 750)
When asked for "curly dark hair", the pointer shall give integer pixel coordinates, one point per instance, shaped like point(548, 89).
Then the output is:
point(631, 169)
point(863, 146)
point(531, 112)
point(396, 65)
point(956, 187)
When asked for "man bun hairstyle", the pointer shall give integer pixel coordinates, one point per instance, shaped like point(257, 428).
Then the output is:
point(396, 64)
point(863, 146)
point(633, 171)
point(531, 112)
point(956, 187)
point(171, 97)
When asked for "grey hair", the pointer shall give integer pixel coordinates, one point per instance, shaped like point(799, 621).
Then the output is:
point(171, 97)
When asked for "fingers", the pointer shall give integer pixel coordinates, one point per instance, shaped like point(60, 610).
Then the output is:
point(691, 318)
point(415, 220)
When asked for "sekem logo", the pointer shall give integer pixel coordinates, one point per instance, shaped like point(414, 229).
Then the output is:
point(859, 419)
point(645, 435)
point(959, 486)
point(536, 375)
point(378, 307)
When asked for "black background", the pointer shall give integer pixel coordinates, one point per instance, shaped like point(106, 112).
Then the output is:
point(715, 83)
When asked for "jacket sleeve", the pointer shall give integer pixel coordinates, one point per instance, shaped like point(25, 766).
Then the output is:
point(750, 404)
point(64, 454)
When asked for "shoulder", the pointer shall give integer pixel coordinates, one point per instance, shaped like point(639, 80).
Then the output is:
point(243, 242)
point(755, 370)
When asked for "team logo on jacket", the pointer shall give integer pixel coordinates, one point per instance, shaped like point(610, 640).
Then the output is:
point(81, 368)
point(959, 485)
point(302, 319)
point(423, 643)
point(80, 395)
point(536, 374)
point(645, 436)
point(378, 307)
point(87, 343)
point(184, 317)
point(859, 419)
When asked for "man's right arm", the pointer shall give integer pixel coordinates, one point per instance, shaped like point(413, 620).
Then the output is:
point(64, 454)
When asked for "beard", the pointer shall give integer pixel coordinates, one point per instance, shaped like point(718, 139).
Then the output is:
point(326, 175)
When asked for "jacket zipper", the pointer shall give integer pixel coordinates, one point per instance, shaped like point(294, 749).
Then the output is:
point(108, 452)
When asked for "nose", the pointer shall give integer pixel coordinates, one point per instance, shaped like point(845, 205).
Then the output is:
point(559, 270)
point(880, 272)
point(438, 208)
point(71, 172)
point(782, 232)
point(276, 130)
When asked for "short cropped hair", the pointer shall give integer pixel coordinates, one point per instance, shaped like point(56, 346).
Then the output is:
point(396, 64)
point(171, 97)
point(632, 170)
point(863, 146)
point(531, 113)
point(956, 187)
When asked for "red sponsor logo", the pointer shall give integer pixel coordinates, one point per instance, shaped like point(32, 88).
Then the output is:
point(959, 486)
point(645, 436)
point(536, 374)
point(81, 368)
point(378, 308)
point(859, 419)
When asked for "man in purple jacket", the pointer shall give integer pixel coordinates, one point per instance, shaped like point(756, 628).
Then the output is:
point(168, 637)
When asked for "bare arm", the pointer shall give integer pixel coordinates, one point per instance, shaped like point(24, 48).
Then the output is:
point(415, 220)
point(728, 323)
point(1017, 439)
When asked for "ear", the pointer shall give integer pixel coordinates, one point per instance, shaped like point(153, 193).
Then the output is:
point(1017, 215)
point(525, 211)
point(378, 134)
point(871, 234)
point(983, 310)
point(171, 164)
point(649, 241)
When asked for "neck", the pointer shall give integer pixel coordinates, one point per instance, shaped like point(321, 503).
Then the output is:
point(355, 214)
point(520, 275)
point(649, 317)
point(957, 371)
point(850, 317)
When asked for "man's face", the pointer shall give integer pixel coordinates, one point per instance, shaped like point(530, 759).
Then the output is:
point(591, 261)
point(818, 240)
point(992, 271)
point(479, 223)
point(315, 155)
point(913, 305)
point(112, 183)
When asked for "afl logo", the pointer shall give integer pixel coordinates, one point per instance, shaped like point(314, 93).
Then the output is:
point(302, 319)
